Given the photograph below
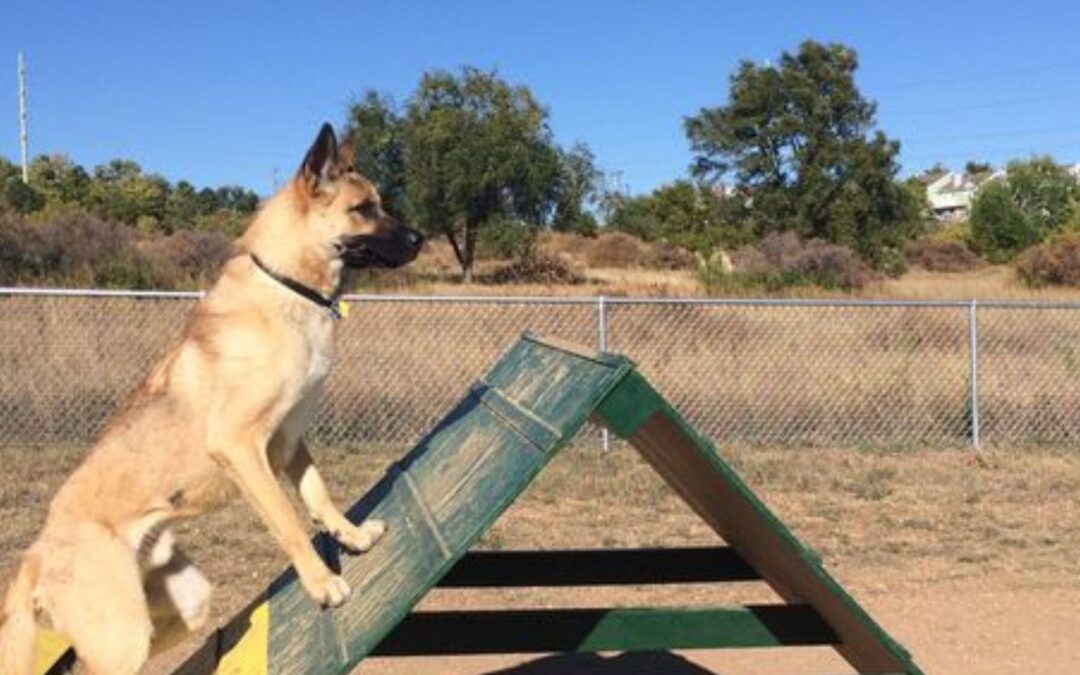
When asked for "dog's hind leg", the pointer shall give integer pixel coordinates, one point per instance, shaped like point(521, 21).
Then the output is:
point(309, 483)
point(179, 598)
point(91, 588)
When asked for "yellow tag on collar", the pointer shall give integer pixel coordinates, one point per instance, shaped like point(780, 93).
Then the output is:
point(343, 308)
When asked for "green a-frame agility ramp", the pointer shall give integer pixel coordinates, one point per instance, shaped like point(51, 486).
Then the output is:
point(441, 497)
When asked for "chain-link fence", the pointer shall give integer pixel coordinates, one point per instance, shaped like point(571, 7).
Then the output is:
point(838, 373)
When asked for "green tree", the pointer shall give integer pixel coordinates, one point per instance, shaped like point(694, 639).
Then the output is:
point(59, 179)
point(1034, 201)
point(576, 191)
point(19, 196)
point(237, 199)
point(632, 215)
point(120, 190)
point(468, 152)
point(377, 129)
point(15, 195)
point(799, 138)
point(7, 169)
point(181, 205)
point(685, 213)
point(477, 149)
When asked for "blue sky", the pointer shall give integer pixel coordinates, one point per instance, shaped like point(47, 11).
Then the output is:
point(222, 91)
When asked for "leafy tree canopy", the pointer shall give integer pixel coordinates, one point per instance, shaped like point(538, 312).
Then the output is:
point(688, 214)
point(800, 138)
point(120, 191)
point(1034, 201)
point(467, 151)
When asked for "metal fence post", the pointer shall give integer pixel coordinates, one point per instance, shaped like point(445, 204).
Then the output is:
point(601, 343)
point(973, 371)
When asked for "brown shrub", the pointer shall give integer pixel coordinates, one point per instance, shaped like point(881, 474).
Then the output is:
point(617, 250)
point(436, 259)
point(188, 257)
point(937, 255)
point(537, 268)
point(566, 245)
point(750, 260)
point(832, 266)
point(666, 256)
point(783, 259)
point(1054, 263)
point(20, 249)
point(77, 240)
point(76, 248)
point(197, 255)
point(781, 248)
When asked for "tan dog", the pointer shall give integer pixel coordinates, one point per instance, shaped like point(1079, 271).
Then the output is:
point(222, 413)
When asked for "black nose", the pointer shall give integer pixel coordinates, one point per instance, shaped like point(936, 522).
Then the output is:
point(416, 240)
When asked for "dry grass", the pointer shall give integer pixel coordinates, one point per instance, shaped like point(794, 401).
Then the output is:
point(996, 282)
point(892, 374)
point(436, 273)
point(918, 519)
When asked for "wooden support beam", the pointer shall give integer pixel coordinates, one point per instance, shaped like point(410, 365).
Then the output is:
point(597, 567)
point(597, 630)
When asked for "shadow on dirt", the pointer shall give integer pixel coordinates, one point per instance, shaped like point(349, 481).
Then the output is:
point(640, 663)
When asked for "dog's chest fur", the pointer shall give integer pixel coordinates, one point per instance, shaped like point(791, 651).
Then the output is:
point(319, 332)
point(316, 330)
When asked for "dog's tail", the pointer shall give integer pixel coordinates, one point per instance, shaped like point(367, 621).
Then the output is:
point(17, 626)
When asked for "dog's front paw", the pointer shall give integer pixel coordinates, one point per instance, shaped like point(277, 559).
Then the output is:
point(360, 538)
point(328, 590)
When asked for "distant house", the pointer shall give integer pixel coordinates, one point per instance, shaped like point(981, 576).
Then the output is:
point(950, 194)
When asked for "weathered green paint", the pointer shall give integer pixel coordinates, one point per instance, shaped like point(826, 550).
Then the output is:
point(629, 405)
point(797, 573)
point(455, 483)
point(439, 499)
point(655, 629)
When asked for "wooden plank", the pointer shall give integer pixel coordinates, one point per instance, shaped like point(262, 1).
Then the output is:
point(694, 468)
point(597, 567)
point(436, 501)
point(448, 490)
point(594, 630)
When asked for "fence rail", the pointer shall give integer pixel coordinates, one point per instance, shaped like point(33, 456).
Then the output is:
point(837, 372)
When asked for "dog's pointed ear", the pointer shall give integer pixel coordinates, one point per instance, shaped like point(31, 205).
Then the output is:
point(347, 152)
point(321, 163)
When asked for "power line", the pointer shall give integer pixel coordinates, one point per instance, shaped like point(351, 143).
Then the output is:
point(991, 135)
point(984, 75)
point(1009, 152)
point(984, 105)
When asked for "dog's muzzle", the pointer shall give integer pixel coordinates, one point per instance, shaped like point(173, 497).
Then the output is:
point(391, 249)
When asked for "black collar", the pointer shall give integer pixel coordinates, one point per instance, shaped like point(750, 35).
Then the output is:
point(331, 304)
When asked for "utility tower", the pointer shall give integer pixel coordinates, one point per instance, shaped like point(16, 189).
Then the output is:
point(24, 136)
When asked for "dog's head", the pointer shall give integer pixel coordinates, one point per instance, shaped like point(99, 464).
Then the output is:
point(344, 210)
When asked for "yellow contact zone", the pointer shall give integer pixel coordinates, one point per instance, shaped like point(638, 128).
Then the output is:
point(249, 655)
point(48, 649)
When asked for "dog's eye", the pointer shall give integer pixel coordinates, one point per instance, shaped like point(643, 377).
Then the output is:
point(365, 208)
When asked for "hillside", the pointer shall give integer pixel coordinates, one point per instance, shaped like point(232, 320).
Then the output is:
point(634, 274)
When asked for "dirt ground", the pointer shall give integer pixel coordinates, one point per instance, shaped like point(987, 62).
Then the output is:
point(974, 626)
point(972, 564)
